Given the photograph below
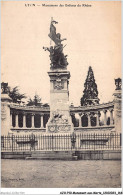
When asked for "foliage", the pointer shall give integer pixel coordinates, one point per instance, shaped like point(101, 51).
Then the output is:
point(46, 105)
point(90, 93)
point(36, 101)
point(15, 95)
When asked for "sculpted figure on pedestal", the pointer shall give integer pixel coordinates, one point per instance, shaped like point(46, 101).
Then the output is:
point(57, 57)
point(58, 117)
point(118, 83)
point(4, 88)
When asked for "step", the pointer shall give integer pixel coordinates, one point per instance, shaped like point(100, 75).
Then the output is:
point(53, 158)
point(53, 155)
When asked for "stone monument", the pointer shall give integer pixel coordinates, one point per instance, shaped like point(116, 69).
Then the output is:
point(118, 105)
point(60, 119)
point(5, 109)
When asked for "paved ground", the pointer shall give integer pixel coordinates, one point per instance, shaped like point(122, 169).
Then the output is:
point(60, 174)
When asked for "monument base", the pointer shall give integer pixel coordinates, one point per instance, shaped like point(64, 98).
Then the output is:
point(59, 128)
point(59, 123)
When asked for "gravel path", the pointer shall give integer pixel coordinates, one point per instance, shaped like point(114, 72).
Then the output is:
point(60, 174)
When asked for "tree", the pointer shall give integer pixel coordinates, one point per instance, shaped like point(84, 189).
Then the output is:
point(36, 101)
point(14, 93)
point(90, 93)
point(46, 105)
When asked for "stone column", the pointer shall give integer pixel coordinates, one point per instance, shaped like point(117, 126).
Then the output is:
point(105, 117)
point(24, 120)
point(33, 125)
point(80, 120)
point(71, 114)
point(16, 120)
point(111, 116)
point(97, 117)
point(117, 105)
point(5, 114)
point(73, 119)
point(42, 121)
point(11, 120)
point(89, 120)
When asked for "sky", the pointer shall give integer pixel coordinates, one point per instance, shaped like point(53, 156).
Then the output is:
point(93, 39)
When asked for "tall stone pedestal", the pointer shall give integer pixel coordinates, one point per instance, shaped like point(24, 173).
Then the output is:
point(5, 114)
point(117, 110)
point(60, 119)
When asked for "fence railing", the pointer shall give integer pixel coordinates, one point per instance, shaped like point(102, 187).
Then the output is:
point(74, 141)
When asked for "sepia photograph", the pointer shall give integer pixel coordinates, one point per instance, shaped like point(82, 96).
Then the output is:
point(61, 87)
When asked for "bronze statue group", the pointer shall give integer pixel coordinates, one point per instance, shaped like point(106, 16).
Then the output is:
point(57, 57)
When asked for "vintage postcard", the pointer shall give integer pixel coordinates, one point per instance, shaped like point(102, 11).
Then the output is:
point(61, 97)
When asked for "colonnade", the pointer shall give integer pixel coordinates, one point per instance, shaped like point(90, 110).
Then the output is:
point(24, 119)
point(96, 115)
point(91, 117)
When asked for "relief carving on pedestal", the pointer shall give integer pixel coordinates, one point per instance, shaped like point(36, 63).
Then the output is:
point(58, 122)
point(58, 84)
point(59, 128)
point(59, 118)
